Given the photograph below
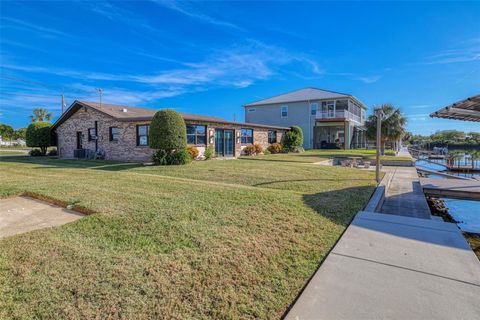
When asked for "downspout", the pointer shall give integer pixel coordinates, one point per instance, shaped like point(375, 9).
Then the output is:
point(96, 136)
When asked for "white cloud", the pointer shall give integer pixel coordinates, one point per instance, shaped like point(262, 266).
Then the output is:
point(417, 117)
point(44, 31)
point(186, 8)
point(464, 51)
point(369, 79)
point(234, 67)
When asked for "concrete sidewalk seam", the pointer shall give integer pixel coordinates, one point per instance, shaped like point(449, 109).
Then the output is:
point(405, 268)
point(408, 225)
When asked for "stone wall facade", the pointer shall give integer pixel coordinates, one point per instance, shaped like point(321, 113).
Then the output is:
point(125, 148)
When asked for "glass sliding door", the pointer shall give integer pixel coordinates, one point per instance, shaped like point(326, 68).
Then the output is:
point(228, 141)
point(219, 143)
point(224, 143)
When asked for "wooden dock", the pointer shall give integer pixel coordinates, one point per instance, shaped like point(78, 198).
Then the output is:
point(463, 168)
point(451, 188)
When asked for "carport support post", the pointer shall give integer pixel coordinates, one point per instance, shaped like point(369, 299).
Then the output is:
point(379, 114)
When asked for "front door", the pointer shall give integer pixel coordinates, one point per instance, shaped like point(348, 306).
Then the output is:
point(224, 143)
point(79, 140)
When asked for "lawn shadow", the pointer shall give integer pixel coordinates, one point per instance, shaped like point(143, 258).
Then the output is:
point(302, 180)
point(55, 163)
point(271, 159)
point(339, 206)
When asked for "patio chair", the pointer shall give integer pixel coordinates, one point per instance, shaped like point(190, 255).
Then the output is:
point(366, 164)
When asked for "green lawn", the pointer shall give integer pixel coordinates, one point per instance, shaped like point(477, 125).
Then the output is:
point(214, 239)
point(10, 151)
point(311, 156)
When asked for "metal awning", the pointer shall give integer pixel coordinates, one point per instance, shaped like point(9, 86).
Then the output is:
point(467, 110)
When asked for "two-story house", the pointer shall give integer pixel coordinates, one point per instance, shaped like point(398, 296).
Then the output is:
point(328, 119)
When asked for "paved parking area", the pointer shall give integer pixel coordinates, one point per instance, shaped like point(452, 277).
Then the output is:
point(24, 214)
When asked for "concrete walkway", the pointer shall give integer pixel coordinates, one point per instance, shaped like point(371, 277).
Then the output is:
point(404, 195)
point(23, 214)
point(397, 264)
point(394, 267)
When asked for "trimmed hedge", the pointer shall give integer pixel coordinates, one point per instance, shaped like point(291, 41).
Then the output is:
point(168, 131)
point(38, 135)
point(293, 139)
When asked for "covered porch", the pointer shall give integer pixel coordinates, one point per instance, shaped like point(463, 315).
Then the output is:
point(338, 135)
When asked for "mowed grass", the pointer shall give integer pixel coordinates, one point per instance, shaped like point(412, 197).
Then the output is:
point(215, 239)
point(312, 156)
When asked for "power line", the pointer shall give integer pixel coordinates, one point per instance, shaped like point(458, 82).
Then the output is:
point(25, 95)
point(37, 83)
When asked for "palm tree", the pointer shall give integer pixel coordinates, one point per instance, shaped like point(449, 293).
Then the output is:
point(41, 114)
point(393, 126)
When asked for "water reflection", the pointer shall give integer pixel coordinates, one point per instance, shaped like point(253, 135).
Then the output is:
point(466, 212)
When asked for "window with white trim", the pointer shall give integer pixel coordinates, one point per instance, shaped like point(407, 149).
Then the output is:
point(142, 134)
point(284, 111)
point(247, 136)
point(313, 108)
point(196, 134)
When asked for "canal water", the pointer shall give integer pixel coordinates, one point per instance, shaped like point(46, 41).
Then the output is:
point(466, 212)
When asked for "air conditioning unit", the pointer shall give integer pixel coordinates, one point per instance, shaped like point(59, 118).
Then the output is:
point(80, 153)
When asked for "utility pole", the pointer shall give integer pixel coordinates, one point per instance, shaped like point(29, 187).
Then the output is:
point(379, 113)
point(100, 93)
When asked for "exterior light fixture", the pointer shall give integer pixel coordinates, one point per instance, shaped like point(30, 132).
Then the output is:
point(211, 136)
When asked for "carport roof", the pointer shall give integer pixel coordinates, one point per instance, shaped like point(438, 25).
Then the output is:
point(467, 110)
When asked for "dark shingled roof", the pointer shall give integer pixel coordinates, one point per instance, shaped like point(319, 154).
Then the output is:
point(129, 113)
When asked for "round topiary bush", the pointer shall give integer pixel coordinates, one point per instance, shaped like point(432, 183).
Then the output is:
point(168, 134)
point(38, 135)
point(168, 131)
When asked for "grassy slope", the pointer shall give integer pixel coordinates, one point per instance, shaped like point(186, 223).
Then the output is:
point(217, 239)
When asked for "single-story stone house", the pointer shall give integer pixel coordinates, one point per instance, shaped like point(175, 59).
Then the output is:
point(121, 132)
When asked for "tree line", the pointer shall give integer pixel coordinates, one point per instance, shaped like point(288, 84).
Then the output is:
point(446, 137)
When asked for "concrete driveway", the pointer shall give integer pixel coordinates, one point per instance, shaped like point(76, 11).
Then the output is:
point(24, 214)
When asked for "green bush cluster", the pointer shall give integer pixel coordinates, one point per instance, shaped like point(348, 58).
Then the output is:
point(35, 152)
point(164, 158)
point(293, 140)
point(53, 152)
point(38, 135)
point(209, 153)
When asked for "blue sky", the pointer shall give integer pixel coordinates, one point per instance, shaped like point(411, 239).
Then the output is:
point(212, 57)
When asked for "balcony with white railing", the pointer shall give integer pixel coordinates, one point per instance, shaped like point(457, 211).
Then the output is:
point(341, 114)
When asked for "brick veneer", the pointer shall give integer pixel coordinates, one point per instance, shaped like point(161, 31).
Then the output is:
point(126, 149)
